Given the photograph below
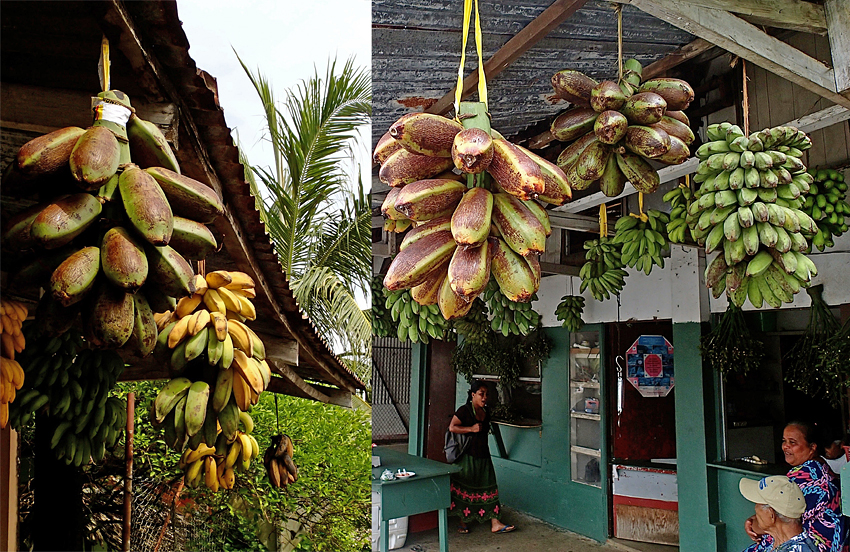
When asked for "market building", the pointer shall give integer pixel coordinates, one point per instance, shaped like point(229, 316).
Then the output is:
point(602, 444)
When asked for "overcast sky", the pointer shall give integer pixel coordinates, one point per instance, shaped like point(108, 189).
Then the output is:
point(287, 41)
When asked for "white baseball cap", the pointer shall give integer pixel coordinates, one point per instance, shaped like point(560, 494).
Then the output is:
point(778, 492)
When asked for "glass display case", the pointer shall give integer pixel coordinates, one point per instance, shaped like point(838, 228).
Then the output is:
point(585, 408)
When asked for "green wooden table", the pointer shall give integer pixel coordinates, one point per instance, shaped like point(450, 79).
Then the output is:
point(426, 491)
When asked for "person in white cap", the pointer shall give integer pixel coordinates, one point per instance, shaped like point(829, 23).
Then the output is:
point(779, 505)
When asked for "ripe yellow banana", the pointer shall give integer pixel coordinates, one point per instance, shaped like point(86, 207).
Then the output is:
point(201, 320)
point(231, 300)
point(228, 478)
point(7, 346)
point(233, 453)
point(178, 332)
point(248, 310)
point(242, 338)
point(227, 352)
point(210, 476)
point(187, 305)
point(213, 301)
point(240, 280)
point(241, 391)
point(217, 279)
point(249, 371)
point(200, 284)
point(220, 323)
point(247, 293)
point(247, 448)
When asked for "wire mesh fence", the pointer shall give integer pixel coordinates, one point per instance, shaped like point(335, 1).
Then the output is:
point(391, 361)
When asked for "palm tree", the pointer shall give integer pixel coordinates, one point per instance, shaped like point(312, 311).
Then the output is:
point(319, 220)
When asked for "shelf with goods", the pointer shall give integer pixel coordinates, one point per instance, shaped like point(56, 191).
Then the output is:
point(585, 408)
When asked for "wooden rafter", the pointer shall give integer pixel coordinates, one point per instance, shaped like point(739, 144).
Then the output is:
point(550, 18)
point(749, 42)
point(795, 15)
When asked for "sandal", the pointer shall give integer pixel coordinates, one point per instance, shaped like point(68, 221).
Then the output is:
point(463, 530)
point(505, 529)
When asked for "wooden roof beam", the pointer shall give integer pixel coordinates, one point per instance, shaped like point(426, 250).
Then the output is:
point(795, 15)
point(531, 34)
point(810, 123)
point(838, 21)
point(747, 41)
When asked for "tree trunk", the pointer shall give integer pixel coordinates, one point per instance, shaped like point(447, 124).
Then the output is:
point(58, 521)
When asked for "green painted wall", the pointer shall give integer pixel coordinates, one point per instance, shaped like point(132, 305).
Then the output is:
point(418, 388)
point(699, 529)
point(733, 508)
point(535, 478)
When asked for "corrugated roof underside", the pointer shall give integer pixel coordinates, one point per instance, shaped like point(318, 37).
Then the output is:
point(416, 44)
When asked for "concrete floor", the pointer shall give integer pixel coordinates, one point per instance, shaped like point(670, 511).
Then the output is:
point(532, 535)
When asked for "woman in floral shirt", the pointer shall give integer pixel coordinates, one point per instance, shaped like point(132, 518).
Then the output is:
point(822, 520)
point(475, 495)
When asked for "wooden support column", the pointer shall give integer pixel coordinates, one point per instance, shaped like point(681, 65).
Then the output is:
point(8, 489)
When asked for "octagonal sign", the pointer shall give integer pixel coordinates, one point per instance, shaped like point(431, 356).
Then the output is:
point(650, 365)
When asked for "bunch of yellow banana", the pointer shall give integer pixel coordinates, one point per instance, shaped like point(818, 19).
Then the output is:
point(278, 461)
point(615, 127)
point(216, 466)
point(486, 220)
point(12, 315)
point(207, 329)
point(123, 178)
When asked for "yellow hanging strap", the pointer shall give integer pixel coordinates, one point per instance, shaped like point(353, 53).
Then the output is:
point(603, 220)
point(642, 216)
point(103, 65)
point(482, 79)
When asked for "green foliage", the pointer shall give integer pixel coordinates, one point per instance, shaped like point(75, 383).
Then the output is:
point(501, 356)
point(320, 221)
point(331, 497)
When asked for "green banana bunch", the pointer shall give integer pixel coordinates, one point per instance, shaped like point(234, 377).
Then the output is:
point(474, 327)
point(125, 180)
point(679, 198)
point(642, 241)
point(74, 383)
point(826, 203)
point(382, 324)
point(569, 312)
point(510, 317)
point(603, 272)
point(416, 322)
point(749, 207)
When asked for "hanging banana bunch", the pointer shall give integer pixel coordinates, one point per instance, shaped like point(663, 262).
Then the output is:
point(615, 128)
point(12, 341)
point(487, 220)
point(827, 205)
point(510, 317)
point(278, 461)
point(642, 240)
point(216, 465)
point(748, 208)
point(680, 199)
point(74, 384)
point(475, 327)
point(569, 312)
point(221, 361)
point(116, 222)
point(382, 323)
point(603, 272)
point(416, 317)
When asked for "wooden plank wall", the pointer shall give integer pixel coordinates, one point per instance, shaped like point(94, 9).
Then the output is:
point(774, 101)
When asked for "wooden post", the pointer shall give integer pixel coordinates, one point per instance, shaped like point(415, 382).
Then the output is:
point(128, 474)
point(8, 489)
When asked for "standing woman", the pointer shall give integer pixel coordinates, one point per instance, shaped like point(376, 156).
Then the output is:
point(822, 519)
point(475, 495)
